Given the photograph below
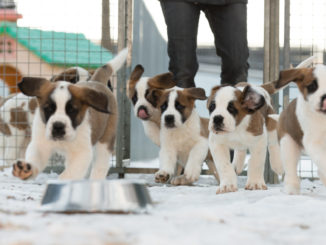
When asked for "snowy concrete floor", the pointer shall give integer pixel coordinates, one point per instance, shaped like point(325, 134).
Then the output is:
point(181, 215)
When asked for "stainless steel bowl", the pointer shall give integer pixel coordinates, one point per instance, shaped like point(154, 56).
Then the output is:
point(113, 196)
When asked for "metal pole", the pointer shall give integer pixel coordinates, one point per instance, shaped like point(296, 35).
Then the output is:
point(271, 63)
point(123, 130)
point(286, 50)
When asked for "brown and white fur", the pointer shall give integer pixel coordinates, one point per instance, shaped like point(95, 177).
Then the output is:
point(16, 116)
point(239, 120)
point(183, 135)
point(242, 118)
point(302, 125)
point(17, 113)
point(78, 120)
point(138, 88)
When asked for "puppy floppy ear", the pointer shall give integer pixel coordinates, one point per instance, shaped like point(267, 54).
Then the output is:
point(295, 75)
point(154, 96)
point(212, 95)
point(33, 86)
point(195, 93)
point(252, 100)
point(91, 97)
point(136, 73)
point(134, 78)
point(162, 81)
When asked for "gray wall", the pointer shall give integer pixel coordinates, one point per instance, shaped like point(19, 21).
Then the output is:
point(149, 50)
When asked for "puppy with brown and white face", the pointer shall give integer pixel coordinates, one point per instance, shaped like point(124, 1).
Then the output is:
point(182, 135)
point(240, 120)
point(138, 88)
point(73, 119)
point(302, 125)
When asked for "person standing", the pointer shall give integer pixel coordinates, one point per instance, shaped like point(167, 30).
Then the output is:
point(228, 22)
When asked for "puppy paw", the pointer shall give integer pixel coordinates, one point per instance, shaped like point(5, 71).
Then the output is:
point(256, 185)
point(181, 180)
point(224, 188)
point(292, 185)
point(291, 190)
point(161, 176)
point(22, 170)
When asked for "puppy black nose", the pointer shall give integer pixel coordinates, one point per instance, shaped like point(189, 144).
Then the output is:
point(169, 120)
point(218, 120)
point(58, 130)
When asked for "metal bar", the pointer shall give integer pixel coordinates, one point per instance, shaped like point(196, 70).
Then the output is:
point(286, 50)
point(271, 63)
point(123, 130)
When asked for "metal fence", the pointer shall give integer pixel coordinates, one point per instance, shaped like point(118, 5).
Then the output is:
point(43, 44)
point(46, 44)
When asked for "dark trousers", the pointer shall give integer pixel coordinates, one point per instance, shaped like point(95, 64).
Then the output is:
point(229, 26)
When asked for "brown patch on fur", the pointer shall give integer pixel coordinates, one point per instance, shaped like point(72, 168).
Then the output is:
point(134, 78)
point(18, 118)
point(289, 124)
point(103, 125)
point(212, 95)
point(271, 124)
point(256, 125)
point(237, 104)
point(302, 77)
point(204, 127)
point(162, 81)
point(35, 86)
point(270, 87)
point(257, 118)
point(69, 75)
point(4, 128)
point(86, 95)
point(187, 102)
point(32, 105)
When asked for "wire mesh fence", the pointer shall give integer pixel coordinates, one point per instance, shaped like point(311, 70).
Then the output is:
point(42, 43)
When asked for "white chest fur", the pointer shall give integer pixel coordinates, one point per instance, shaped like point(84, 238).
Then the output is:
point(239, 139)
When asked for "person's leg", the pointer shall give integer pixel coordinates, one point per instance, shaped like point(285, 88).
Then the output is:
point(181, 19)
point(229, 26)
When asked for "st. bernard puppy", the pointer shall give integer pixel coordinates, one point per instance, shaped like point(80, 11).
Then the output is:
point(79, 120)
point(302, 125)
point(183, 135)
point(138, 88)
point(242, 118)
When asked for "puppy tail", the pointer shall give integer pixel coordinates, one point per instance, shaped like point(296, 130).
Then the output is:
point(307, 62)
point(270, 87)
point(104, 73)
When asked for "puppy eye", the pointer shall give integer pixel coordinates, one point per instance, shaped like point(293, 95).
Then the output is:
point(211, 107)
point(134, 98)
point(178, 106)
point(70, 109)
point(49, 108)
point(231, 108)
point(164, 106)
point(146, 93)
point(312, 87)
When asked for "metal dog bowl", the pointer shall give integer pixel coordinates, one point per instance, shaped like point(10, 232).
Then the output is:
point(91, 196)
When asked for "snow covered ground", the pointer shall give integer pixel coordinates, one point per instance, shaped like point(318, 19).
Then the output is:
point(181, 215)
